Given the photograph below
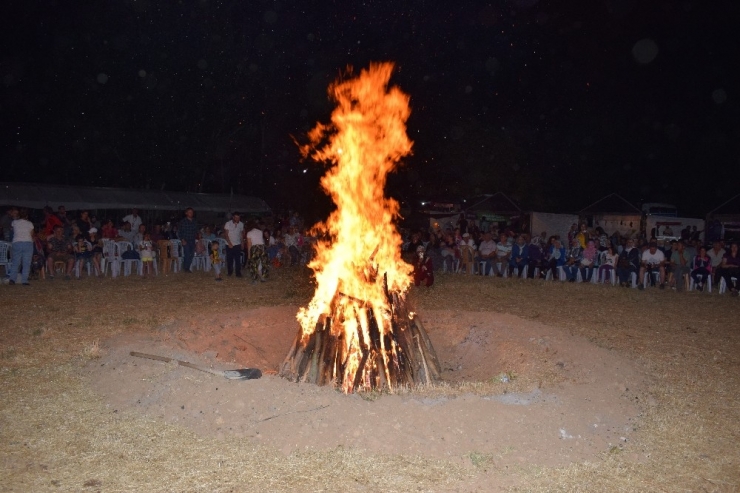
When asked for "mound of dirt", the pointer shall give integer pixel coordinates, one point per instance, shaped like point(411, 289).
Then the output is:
point(515, 392)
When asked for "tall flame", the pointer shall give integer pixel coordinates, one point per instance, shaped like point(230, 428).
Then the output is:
point(364, 142)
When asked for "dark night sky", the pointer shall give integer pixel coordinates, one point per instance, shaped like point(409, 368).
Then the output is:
point(554, 103)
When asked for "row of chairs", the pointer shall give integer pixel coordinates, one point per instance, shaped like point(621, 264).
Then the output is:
point(465, 263)
point(168, 254)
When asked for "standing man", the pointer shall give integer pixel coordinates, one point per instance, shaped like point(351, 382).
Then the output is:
point(50, 221)
point(186, 231)
point(233, 232)
point(134, 218)
point(66, 223)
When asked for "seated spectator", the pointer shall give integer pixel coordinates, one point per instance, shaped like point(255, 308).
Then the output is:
point(487, 253)
point(139, 235)
point(680, 265)
point(125, 233)
point(97, 249)
point(503, 255)
point(291, 244)
point(536, 258)
point(573, 259)
point(82, 250)
point(607, 264)
point(716, 254)
point(146, 253)
point(730, 269)
point(519, 255)
point(423, 268)
point(38, 259)
point(448, 251)
point(603, 239)
point(109, 230)
point(272, 247)
point(588, 261)
point(701, 268)
point(628, 262)
point(158, 234)
point(207, 233)
point(555, 257)
point(652, 261)
point(60, 250)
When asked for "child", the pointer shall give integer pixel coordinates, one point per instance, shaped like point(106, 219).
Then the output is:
point(216, 260)
point(147, 254)
point(82, 251)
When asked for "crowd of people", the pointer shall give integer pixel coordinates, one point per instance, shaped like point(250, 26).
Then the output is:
point(61, 241)
point(584, 253)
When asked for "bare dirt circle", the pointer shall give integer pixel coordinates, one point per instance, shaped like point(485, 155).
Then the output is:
point(515, 392)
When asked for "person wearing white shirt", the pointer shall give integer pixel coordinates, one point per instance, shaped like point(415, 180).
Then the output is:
point(503, 253)
point(233, 232)
point(652, 260)
point(21, 248)
point(134, 219)
point(257, 254)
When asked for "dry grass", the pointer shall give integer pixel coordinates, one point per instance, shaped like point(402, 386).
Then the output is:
point(56, 435)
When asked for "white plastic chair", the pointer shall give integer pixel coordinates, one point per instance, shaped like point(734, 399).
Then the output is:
point(128, 263)
point(5, 256)
point(707, 283)
point(88, 263)
point(599, 278)
point(723, 284)
point(561, 274)
point(111, 258)
point(176, 254)
point(201, 260)
point(645, 278)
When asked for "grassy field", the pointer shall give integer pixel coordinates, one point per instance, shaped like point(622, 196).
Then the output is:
point(57, 435)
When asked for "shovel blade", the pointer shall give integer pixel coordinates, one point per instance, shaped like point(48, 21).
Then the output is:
point(243, 374)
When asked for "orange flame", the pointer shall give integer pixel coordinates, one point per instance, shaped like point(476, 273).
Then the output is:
point(366, 139)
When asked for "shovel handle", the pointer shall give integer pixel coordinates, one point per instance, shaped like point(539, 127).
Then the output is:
point(179, 362)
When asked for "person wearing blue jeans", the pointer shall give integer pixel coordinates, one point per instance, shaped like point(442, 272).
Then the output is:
point(186, 232)
point(21, 248)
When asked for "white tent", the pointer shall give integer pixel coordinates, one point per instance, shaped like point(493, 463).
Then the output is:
point(37, 196)
point(553, 224)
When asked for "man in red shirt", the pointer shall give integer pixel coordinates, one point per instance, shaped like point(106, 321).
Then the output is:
point(51, 220)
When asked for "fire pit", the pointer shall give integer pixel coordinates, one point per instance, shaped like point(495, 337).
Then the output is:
point(357, 332)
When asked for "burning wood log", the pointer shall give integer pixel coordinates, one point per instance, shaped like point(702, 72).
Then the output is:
point(401, 357)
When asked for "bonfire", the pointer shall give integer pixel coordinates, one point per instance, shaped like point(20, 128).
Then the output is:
point(358, 332)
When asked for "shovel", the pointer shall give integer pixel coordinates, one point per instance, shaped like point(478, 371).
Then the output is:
point(241, 374)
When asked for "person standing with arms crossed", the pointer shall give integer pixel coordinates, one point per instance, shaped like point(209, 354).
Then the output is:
point(233, 232)
point(186, 231)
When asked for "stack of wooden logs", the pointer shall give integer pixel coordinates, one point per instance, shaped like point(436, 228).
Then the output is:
point(322, 356)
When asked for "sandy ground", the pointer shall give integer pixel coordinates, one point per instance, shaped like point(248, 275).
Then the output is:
point(567, 400)
point(609, 389)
